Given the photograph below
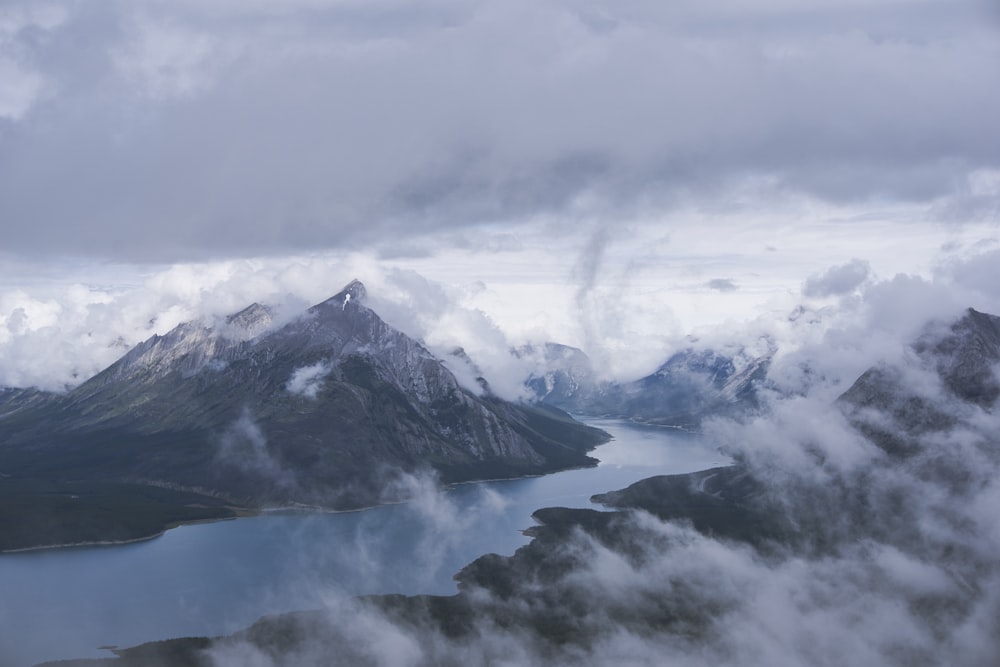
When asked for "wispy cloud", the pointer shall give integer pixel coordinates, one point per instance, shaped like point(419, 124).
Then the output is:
point(890, 562)
point(308, 380)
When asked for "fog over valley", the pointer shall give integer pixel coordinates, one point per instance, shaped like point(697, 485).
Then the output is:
point(703, 298)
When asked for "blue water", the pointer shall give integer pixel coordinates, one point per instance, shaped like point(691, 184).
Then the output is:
point(215, 578)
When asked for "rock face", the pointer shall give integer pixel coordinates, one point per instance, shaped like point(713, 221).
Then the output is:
point(966, 356)
point(14, 400)
point(690, 386)
point(566, 378)
point(323, 409)
point(953, 371)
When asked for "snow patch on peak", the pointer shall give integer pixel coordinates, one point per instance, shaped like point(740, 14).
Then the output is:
point(353, 291)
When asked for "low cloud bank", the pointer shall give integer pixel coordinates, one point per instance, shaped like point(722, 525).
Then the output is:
point(59, 331)
point(890, 557)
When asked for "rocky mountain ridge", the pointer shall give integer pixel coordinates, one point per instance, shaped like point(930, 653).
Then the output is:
point(691, 385)
point(327, 409)
point(952, 373)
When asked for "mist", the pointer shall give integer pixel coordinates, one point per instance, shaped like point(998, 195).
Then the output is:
point(817, 185)
point(891, 560)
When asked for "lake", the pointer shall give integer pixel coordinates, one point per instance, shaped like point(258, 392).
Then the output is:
point(216, 578)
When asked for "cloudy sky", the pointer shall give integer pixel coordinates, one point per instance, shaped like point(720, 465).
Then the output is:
point(614, 176)
point(622, 176)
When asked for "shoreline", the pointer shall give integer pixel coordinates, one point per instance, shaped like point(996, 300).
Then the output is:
point(241, 514)
point(245, 512)
point(519, 535)
point(84, 545)
point(587, 419)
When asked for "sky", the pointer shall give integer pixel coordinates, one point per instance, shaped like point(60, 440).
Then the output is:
point(629, 177)
point(613, 176)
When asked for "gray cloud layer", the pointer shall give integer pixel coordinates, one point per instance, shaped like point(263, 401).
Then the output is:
point(157, 130)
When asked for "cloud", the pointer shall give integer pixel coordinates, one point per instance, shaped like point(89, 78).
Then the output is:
point(902, 579)
point(897, 564)
point(21, 89)
point(55, 335)
point(60, 324)
point(979, 273)
point(189, 131)
point(440, 316)
point(862, 605)
point(243, 446)
point(24, 84)
point(308, 380)
point(590, 306)
point(834, 135)
point(722, 285)
point(838, 280)
point(163, 60)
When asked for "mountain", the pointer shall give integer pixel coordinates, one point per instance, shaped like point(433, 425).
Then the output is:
point(891, 560)
point(566, 376)
point(952, 372)
point(688, 387)
point(13, 400)
point(325, 410)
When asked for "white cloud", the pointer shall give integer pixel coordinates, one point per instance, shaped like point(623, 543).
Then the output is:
point(243, 445)
point(648, 295)
point(838, 280)
point(308, 380)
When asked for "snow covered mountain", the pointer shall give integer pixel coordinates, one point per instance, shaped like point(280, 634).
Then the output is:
point(325, 409)
point(565, 377)
point(689, 386)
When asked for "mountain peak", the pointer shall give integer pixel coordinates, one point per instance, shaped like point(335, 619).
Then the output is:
point(355, 288)
point(984, 322)
point(963, 356)
point(966, 355)
point(353, 292)
point(312, 410)
point(253, 311)
point(252, 320)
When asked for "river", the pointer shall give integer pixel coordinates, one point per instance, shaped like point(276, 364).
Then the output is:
point(216, 578)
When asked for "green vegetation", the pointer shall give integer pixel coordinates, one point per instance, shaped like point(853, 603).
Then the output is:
point(40, 513)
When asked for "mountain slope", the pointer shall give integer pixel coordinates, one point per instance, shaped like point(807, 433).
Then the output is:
point(951, 375)
point(326, 409)
point(688, 387)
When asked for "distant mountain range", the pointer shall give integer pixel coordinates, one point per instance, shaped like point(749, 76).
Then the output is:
point(323, 410)
point(688, 387)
